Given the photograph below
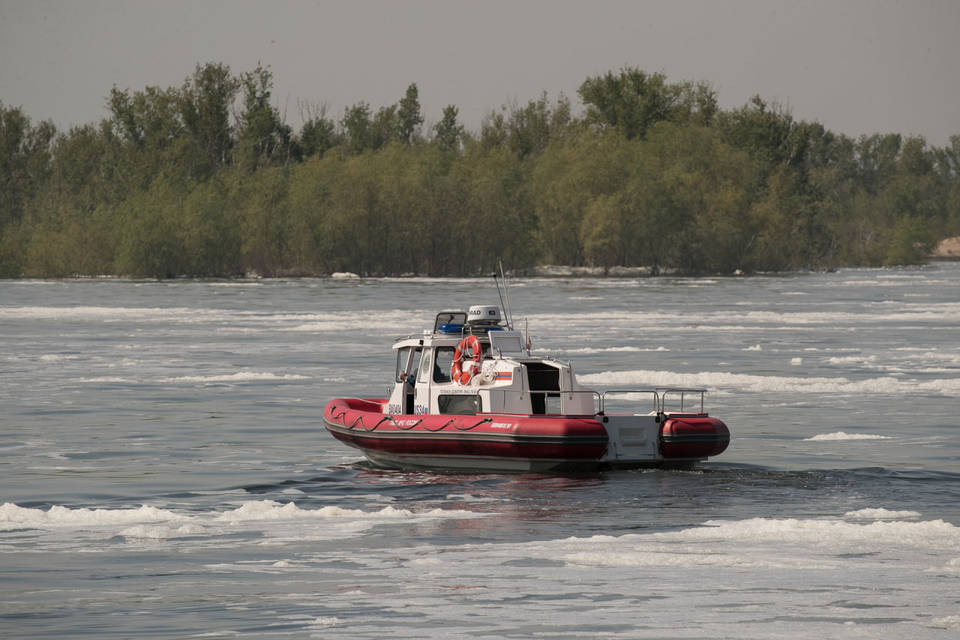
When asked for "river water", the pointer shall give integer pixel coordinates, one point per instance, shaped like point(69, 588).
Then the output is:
point(164, 472)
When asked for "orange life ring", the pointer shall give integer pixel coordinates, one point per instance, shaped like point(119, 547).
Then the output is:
point(463, 374)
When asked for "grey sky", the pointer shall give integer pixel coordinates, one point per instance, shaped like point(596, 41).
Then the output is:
point(856, 66)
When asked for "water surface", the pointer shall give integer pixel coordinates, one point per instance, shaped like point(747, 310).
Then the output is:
point(164, 472)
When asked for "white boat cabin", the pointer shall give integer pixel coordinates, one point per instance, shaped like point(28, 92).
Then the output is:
point(473, 363)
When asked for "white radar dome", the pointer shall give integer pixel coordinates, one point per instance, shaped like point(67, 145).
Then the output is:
point(483, 314)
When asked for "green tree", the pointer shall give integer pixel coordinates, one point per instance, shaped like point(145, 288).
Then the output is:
point(318, 133)
point(25, 158)
point(571, 172)
point(409, 115)
point(877, 155)
point(602, 231)
point(263, 138)
point(384, 128)
point(632, 100)
point(357, 127)
point(448, 131)
point(205, 102)
point(211, 236)
point(149, 240)
point(260, 205)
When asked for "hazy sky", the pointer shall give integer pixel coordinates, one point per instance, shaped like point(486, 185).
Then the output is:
point(856, 66)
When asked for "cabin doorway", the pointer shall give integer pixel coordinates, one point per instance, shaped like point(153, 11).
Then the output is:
point(408, 365)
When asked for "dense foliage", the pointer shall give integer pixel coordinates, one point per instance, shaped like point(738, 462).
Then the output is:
point(208, 180)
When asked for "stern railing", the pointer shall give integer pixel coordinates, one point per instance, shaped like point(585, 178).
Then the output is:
point(659, 396)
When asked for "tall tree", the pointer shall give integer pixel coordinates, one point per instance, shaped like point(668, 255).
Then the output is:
point(409, 115)
point(385, 127)
point(206, 99)
point(318, 133)
point(357, 127)
point(25, 156)
point(531, 127)
point(632, 100)
point(263, 137)
point(448, 132)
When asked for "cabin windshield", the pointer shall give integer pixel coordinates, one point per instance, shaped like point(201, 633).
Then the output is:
point(449, 321)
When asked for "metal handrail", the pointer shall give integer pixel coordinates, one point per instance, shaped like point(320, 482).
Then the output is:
point(660, 395)
point(665, 391)
point(603, 397)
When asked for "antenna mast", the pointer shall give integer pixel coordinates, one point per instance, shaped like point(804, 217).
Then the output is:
point(504, 295)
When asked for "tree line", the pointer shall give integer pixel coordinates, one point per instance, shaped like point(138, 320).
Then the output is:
point(207, 179)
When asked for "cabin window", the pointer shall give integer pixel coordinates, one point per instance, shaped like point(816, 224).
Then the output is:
point(460, 404)
point(424, 374)
point(408, 359)
point(443, 357)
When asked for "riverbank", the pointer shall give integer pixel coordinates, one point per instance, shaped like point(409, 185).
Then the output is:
point(947, 249)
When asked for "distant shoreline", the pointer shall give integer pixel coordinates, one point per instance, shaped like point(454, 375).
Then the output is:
point(545, 272)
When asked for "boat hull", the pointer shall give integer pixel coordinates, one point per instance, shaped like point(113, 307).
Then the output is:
point(498, 442)
point(696, 436)
point(475, 442)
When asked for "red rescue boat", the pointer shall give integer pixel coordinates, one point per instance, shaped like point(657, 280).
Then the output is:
point(468, 395)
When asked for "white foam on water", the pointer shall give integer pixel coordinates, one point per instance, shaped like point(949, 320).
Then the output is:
point(951, 567)
point(752, 578)
point(837, 535)
point(242, 376)
point(592, 350)
point(796, 362)
point(261, 510)
point(755, 543)
point(324, 622)
point(766, 384)
point(287, 524)
point(13, 516)
point(225, 378)
point(237, 283)
point(842, 435)
point(226, 320)
point(906, 313)
point(276, 523)
point(57, 357)
point(182, 315)
point(393, 321)
point(159, 532)
point(107, 380)
point(852, 360)
point(881, 514)
point(755, 347)
point(466, 497)
point(937, 357)
point(946, 622)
